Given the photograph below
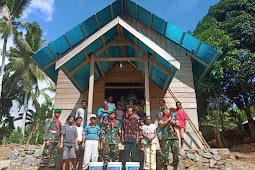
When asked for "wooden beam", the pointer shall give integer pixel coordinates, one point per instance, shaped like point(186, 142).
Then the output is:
point(48, 65)
point(169, 75)
point(106, 45)
point(165, 28)
point(67, 41)
point(106, 51)
point(100, 68)
point(124, 87)
point(86, 54)
point(136, 52)
point(206, 69)
point(91, 87)
point(86, 42)
point(143, 66)
point(182, 38)
point(122, 49)
point(125, 6)
point(97, 21)
point(147, 88)
point(151, 20)
point(129, 28)
point(152, 63)
point(155, 47)
point(119, 44)
point(161, 67)
point(122, 6)
point(111, 11)
point(197, 48)
point(199, 60)
point(83, 31)
point(136, 6)
point(121, 59)
point(78, 67)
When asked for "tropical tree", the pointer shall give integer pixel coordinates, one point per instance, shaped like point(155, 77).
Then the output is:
point(229, 26)
point(11, 11)
point(26, 72)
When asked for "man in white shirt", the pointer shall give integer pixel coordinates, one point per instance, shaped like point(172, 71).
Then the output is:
point(82, 112)
point(79, 141)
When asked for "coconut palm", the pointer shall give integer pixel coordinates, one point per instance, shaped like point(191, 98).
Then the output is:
point(11, 11)
point(26, 72)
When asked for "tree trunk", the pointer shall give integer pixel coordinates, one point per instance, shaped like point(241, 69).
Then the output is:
point(217, 119)
point(24, 113)
point(3, 65)
point(37, 130)
point(248, 112)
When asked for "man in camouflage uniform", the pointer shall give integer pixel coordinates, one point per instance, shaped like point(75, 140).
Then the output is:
point(110, 136)
point(169, 139)
point(52, 139)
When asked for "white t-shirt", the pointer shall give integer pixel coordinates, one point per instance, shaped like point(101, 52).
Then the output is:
point(79, 131)
point(150, 131)
point(112, 105)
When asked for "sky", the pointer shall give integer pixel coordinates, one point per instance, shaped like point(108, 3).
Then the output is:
point(56, 17)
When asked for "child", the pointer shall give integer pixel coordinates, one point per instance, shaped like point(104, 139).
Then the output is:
point(119, 113)
point(110, 135)
point(68, 142)
point(173, 117)
point(141, 122)
point(92, 143)
point(150, 142)
point(104, 117)
point(141, 115)
point(79, 139)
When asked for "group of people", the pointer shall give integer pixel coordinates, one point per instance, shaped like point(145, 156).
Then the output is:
point(127, 124)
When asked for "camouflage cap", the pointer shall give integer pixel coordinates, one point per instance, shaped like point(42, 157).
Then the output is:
point(164, 107)
point(111, 112)
point(57, 111)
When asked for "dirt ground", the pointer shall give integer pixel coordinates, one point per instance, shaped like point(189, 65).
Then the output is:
point(243, 155)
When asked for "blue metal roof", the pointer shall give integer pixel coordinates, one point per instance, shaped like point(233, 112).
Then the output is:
point(45, 57)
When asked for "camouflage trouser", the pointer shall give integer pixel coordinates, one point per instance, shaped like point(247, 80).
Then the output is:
point(49, 152)
point(174, 144)
point(111, 149)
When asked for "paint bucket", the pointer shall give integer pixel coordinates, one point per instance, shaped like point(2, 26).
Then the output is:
point(96, 165)
point(132, 165)
point(114, 166)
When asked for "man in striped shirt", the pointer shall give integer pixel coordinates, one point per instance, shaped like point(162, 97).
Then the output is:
point(92, 143)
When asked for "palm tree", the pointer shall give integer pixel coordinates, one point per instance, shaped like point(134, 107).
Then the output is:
point(11, 11)
point(23, 68)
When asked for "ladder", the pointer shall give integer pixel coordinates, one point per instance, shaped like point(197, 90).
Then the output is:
point(200, 137)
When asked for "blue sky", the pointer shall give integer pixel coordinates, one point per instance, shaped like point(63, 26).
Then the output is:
point(58, 17)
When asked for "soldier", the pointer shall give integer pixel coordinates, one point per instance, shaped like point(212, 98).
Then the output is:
point(52, 139)
point(110, 136)
point(169, 138)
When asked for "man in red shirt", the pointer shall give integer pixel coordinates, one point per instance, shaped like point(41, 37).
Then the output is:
point(182, 118)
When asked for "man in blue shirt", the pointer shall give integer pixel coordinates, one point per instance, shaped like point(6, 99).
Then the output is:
point(103, 112)
point(140, 113)
point(92, 143)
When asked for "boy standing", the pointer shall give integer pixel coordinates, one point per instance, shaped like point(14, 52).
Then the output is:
point(52, 139)
point(122, 102)
point(110, 135)
point(79, 140)
point(92, 144)
point(130, 136)
point(82, 112)
point(69, 142)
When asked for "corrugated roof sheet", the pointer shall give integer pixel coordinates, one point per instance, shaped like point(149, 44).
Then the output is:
point(76, 35)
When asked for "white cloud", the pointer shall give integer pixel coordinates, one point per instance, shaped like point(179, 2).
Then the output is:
point(45, 7)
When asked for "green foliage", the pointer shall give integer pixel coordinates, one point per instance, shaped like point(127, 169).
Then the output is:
point(16, 137)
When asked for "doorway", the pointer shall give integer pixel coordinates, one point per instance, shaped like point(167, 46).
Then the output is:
point(124, 89)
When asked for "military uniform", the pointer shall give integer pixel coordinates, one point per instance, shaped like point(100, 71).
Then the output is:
point(53, 135)
point(169, 140)
point(111, 135)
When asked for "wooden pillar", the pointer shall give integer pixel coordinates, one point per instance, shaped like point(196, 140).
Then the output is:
point(91, 87)
point(146, 84)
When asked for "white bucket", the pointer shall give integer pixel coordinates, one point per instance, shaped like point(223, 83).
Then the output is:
point(114, 166)
point(132, 165)
point(96, 165)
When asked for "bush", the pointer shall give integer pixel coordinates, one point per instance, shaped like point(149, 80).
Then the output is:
point(16, 137)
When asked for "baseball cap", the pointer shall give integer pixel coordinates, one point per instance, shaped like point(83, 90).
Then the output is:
point(93, 116)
